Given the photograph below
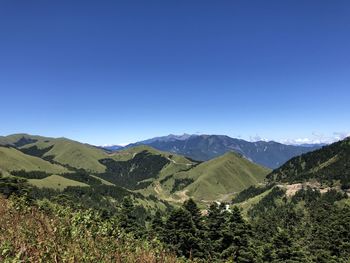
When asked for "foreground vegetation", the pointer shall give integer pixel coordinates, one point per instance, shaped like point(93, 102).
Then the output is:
point(307, 227)
point(47, 232)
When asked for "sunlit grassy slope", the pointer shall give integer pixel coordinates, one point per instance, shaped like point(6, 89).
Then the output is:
point(12, 159)
point(221, 177)
point(72, 153)
point(61, 150)
point(79, 155)
point(19, 139)
point(213, 180)
point(55, 182)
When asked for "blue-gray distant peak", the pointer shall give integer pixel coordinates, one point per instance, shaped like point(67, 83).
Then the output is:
point(205, 147)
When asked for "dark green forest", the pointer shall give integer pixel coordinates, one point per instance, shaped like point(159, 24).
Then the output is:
point(130, 173)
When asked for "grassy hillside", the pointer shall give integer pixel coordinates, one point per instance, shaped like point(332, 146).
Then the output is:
point(12, 159)
point(64, 151)
point(17, 140)
point(168, 176)
point(217, 179)
point(68, 152)
point(132, 168)
point(55, 182)
point(327, 165)
point(321, 171)
point(176, 162)
point(138, 167)
point(223, 176)
point(129, 153)
point(79, 155)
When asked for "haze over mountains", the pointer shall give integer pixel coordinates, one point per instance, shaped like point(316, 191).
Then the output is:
point(205, 147)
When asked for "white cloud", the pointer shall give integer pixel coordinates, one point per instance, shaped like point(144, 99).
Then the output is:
point(257, 138)
point(317, 138)
point(341, 135)
point(118, 144)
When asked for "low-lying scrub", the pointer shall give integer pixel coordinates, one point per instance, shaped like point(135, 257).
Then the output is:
point(48, 232)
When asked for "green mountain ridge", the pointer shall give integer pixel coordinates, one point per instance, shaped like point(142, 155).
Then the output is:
point(13, 159)
point(328, 165)
point(61, 150)
point(223, 176)
point(214, 180)
point(149, 171)
point(322, 171)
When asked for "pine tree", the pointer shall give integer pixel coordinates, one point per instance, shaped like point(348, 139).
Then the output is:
point(215, 222)
point(287, 250)
point(203, 242)
point(127, 218)
point(158, 225)
point(195, 212)
point(236, 239)
point(181, 234)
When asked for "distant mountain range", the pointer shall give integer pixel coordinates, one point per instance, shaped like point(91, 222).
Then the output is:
point(206, 147)
point(168, 138)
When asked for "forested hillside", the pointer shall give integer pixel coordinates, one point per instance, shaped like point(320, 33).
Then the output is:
point(328, 165)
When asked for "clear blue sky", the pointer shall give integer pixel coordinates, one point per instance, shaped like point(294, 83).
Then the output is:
point(119, 71)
